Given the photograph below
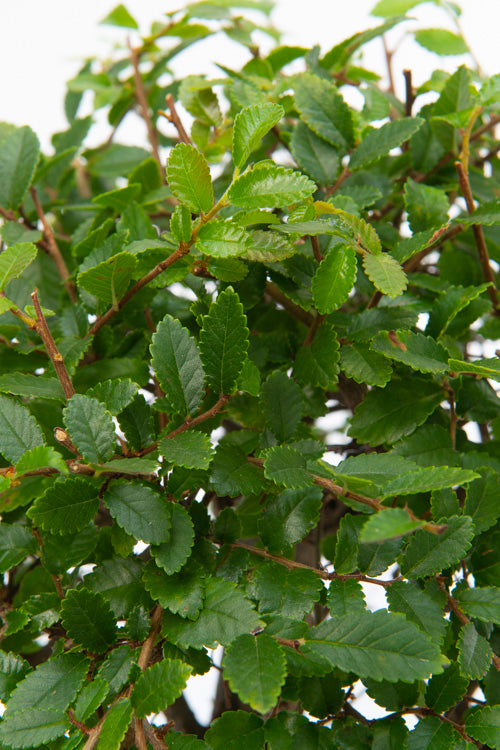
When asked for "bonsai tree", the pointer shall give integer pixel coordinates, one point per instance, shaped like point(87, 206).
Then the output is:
point(247, 378)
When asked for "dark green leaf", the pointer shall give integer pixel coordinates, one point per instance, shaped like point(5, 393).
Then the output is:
point(432, 734)
point(191, 449)
point(427, 478)
point(90, 427)
point(379, 142)
point(172, 555)
point(116, 668)
point(445, 690)
point(474, 653)
point(292, 593)
point(270, 186)
point(189, 179)
point(286, 466)
point(24, 384)
point(289, 517)
point(159, 686)
point(19, 151)
point(426, 206)
point(363, 365)
point(484, 725)
point(250, 126)
point(317, 363)
point(19, 431)
point(12, 669)
point(481, 502)
point(88, 620)
point(16, 543)
point(346, 549)
point(413, 349)
point(233, 727)
point(32, 726)
point(181, 593)
point(418, 607)
point(429, 553)
point(41, 457)
point(52, 686)
point(139, 510)
point(345, 597)
point(255, 667)
point(480, 603)
point(314, 156)
point(233, 475)
point(120, 582)
point(282, 404)
point(68, 505)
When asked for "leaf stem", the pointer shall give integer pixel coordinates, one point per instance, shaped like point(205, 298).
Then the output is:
point(144, 107)
point(56, 358)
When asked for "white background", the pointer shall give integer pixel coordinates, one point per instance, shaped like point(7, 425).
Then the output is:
point(42, 44)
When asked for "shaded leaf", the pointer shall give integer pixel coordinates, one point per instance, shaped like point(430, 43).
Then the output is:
point(226, 732)
point(292, 593)
point(426, 206)
point(446, 689)
point(19, 150)
point(484, 725)
point(323, 109)
point(377, 143)
point(16, 543)
point(173, 553)
point(282, 405)
point(181, 592)
point(314, 156)
point(88, 620)
point(428, 553)
point(289, 517)
point(109, 280)
point(255, 667)
point(139, 510)
point(19, 431)
point(318, 363)
point(363, 365)
point(474, 653)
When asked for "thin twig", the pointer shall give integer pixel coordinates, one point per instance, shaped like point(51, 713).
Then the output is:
point(182, 250)
point(295, 311)
point(53, 248)
point(78, 724)
point(388, 59)
point(56, 358)
point(174, 118)
point(338, 182)
point(140, 737)
point(313, 329)
point(316, 249)
point(465, 189)
point(409, 95)
point(147, 646)
point(453, 414)
point(144, 107)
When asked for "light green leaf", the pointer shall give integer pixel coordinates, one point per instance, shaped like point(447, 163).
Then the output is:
point(314, 156)
point(120, 16)
point(224, 342)
point(138, 510)
point(16, 543)
point(483, 724)
point(172, 555)
point(413, 349)
point(426, 206)
point(181, 225)
point(282, 405)
point(115, 725)
point(19, 430)
point(386, 415)
point(270, 186)
point(88, 620)
point(388, 8)
point(189, 179)
point(40, 457)
point(255, 667)
point(14, 259)
point(159, 686)
point(474, 653)
point(19, 151)
point(387, 524)
point(284, 465)
point(90, 427)
point(428, 553)
point(378, 645)
point(250, 126)
point(334, 278)
point(226, 614)
point(109, 280)
point(66, 506)
point(191, 449)
point(480, 603)
point(363, 365)
point(289, 517)
point(378, 143)
point(114, 394)
point(418, 607)
point(385, 273)
point(91, 696)
point(323, 109)
point(486, 368)
point(441, 41)
point(177, 363)
point(426, 479)
point(222, 239)
point(132, 466)
point(269, 247)
point(318, 363)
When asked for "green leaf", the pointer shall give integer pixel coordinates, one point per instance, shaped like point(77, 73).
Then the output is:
point(474, 653)
point(428, 553)
point(191, 449)
point(66, 506)
point(388, 8)
point(441, 41)
point(480, 603)
point(413, 349)
point(223, 239)
point(269, 247)
point(318, 363)
point(172, 555)
point(109, 280)
point(177, 363)
point(114, 394)
point(90, 427)
point(314, 156)
point(447, 306)
point(485, 213)
point(24, 384)
point(426, 206)
point(226, 614)
point(181, 224)
point(483, 724)
point(481, 502)
point(289, 517)
point(432, 734)
point(270, 186)
point(88, 620)
point(486, 368)
point(380, 645)
point(19, 431)
point(387, 524)
point(12, 669)
point(91, 696)
point(40, 457)
point(233, 475)
point(334, 278)
point(426, 479)
point(386, 415)
point(345, 597)
point(250, 125)
point(19, 151)
point(323, 109)
point(53, 685)
point(282, 405)
point(116, 668)
point(120, 16)
point(284, 465)
point(139, 510)
point(189, 179)
point(346, 548)
point(385, 273)
point(14, 260)
point(418, 607)
point(16, 543)
point(430, 445)
point(224, 342)
point(378, 143)
point(446, 689)
point(32, 726)
point(159, 686)
point(131, 466)
point(363, 365)
point(181, 593)
point(234, 727)
point(292, 593)
point(115, 725)
point(120, 582)
point(255, 667)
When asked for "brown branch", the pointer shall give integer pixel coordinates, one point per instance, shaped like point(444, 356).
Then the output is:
point(409, 97)
point(56, 358)
point(338, 182)
point(144, 107)
point(147, 646)
point(182, 250)
point(140, 737)
point(174, 118)
point(53, 249)
point(315, 248)
point(295, 311)
point(465, 189)
point(313, 329)
point(76, 723)
point(453, 414)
